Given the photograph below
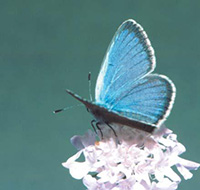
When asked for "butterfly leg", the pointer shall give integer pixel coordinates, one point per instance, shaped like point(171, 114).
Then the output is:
point(112, 129)
point(97, 125)
point(92, 124)
point(116, 137)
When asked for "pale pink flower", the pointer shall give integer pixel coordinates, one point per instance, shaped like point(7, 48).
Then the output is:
point(133, 160)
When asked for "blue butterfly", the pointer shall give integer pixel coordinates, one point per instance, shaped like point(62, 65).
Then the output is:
point(126, 92)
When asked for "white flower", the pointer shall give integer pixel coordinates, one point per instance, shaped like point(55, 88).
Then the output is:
point(133, 160)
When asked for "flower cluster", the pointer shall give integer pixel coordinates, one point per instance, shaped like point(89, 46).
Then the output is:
point(132, 160)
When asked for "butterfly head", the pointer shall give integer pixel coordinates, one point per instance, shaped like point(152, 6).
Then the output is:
point(88, 110)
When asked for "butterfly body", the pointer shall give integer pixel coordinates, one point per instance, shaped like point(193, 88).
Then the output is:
point(103, 115)
point(127, 92)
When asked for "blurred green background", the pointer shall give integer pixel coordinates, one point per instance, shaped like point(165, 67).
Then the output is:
point(48, 46)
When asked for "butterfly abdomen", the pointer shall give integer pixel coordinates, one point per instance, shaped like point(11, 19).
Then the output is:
point(103, 115)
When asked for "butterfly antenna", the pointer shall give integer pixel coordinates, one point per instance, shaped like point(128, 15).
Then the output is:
point(66, 108)
point(90, 84)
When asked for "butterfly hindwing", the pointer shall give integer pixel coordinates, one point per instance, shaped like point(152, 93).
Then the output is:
point(148, 100)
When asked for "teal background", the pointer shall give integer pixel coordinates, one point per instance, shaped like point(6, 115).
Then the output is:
point(48, 46)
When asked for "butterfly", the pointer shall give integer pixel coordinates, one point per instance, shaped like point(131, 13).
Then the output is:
point(127, 93)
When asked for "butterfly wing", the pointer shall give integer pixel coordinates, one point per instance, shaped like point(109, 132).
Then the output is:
point(125, 85)
point(149, 100)
point(129, 57)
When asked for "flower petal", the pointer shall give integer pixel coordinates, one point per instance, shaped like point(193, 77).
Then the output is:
point(90, 182)
point(189, 164)
point(179, 149)
point(81, 142)
point(77, 142)
point(172, 175)
point(72, 159)
point(184, 172)
point(79, 169)
point(166, 184)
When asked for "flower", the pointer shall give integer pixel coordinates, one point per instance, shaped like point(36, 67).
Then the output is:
point(132, 160)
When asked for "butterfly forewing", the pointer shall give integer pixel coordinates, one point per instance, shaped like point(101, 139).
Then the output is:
point(128, 58)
